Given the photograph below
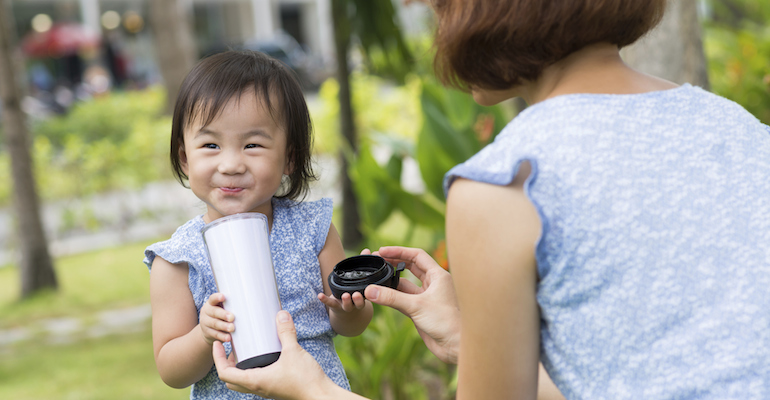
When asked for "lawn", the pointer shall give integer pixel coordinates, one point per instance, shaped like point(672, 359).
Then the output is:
point(111, 367)
point(115, 367)
point(89, 282)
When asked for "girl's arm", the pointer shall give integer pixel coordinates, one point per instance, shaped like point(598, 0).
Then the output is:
point(491, 236)
point(349, 316)
point(182, 355)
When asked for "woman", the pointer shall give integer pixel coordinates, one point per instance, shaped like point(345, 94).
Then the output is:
point(617, 230)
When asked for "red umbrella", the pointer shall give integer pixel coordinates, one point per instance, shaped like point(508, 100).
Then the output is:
point(62, 39)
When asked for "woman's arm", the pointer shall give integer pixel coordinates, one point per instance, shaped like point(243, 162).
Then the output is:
point(491, 235)
point(349, 315)
point(182, 355)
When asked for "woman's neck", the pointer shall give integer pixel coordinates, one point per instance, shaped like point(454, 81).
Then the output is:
point(596, 69)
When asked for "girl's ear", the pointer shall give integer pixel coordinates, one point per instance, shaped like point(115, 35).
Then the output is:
point(289, 167)
point(183, 160)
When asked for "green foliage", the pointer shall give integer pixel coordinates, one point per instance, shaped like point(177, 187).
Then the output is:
point(389, 358)
point(375, 24)
point(117, 141)
point(737, 61)
point(380, 108)
point(455, 129)
point(737, 13)
point(379, 193)
point(110, 116)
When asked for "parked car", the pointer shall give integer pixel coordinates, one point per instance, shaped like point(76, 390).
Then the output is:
point(286, 49)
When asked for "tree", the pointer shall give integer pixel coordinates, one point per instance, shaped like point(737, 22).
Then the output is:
point(36, 266)
point(351, 220)
point(374, 24)
point(174, 44)
point(673, 50)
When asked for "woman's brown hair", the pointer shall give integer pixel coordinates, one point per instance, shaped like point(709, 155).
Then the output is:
point(217, 79)
point(497, 44)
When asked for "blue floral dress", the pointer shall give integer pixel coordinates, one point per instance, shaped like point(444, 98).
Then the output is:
point(654, 256)
point(298, 235)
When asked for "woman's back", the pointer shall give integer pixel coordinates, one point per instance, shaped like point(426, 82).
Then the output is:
point(654, 256)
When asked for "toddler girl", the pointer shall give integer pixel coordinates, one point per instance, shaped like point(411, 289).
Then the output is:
point(241, 139)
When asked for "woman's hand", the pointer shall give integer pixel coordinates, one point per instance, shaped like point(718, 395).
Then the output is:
point(296, 374)
point(433, 307)
point(215, 322)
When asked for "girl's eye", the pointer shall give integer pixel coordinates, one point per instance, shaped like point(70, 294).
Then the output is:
point(252, 146)
point(210, 146)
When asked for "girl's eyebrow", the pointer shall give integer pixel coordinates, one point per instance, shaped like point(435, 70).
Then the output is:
point(245, 135)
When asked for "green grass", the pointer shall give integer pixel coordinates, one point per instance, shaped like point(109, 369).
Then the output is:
point(114, 367)
point(105, 279)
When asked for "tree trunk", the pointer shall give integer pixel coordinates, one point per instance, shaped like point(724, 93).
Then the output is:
point(674, 50)
point(351, 220)
point(35, 265)
point(174, 44)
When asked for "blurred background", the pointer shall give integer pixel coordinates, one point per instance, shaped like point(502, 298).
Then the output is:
point(85, 182)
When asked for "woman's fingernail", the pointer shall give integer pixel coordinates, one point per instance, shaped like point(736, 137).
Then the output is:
point(283, 316)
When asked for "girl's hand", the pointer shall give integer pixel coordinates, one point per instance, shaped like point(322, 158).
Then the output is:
point(347, 304)
point(216, 323)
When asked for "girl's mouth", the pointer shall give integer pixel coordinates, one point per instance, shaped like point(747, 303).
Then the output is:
point(231, 190)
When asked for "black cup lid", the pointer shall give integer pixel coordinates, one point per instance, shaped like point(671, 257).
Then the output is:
point(355, 273)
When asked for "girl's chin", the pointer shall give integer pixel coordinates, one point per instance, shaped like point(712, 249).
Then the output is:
point(213, 215)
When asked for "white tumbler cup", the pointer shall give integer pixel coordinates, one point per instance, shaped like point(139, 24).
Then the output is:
point(238, 246)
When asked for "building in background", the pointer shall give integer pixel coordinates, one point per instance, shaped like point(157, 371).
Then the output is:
point(127, 48)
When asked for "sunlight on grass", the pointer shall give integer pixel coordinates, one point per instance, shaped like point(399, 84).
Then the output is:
point(115, 367)
point(110, 278)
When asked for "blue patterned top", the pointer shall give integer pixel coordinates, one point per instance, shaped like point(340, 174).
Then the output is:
point(298, 235)
point(654, 258)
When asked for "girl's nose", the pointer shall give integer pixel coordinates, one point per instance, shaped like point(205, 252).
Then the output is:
point(231, 164)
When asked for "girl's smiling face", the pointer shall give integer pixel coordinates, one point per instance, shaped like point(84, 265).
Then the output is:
point(235, 163)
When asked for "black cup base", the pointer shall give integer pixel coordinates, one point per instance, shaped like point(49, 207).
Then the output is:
point(259, 361)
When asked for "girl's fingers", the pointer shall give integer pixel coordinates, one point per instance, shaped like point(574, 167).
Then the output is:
point(217, 312)
point(216, 299)
point(212, 335)
point(358, 300)
point(224, 326)
point(347, 302)
point(329, 301)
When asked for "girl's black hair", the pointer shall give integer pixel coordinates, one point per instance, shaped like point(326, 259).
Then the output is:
point(217, 79)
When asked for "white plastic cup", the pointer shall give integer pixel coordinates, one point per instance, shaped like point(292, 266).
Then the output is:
point(238, 247)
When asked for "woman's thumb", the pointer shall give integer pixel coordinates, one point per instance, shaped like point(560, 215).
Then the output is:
point(287, 332)
point(388, 297)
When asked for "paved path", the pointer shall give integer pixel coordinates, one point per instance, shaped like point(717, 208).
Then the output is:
point(70, 329)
